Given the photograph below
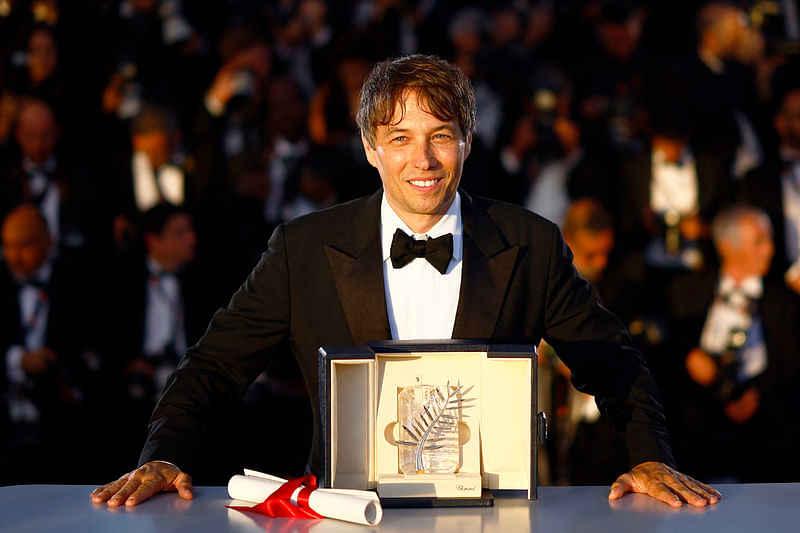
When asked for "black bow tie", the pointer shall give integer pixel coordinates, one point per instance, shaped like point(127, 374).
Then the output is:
point(436, 251)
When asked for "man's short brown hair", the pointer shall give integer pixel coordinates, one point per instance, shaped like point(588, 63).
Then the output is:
point(441, 86)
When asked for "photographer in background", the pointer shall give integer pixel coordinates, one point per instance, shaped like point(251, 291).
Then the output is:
point(544, 165)
point(152, 170)
point(739, 331)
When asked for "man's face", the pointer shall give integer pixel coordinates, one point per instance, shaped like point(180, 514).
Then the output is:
point(730, 31)
point(25, 248)
point(287, 110)
point(177, 242)
point(420, 159)
point(42, 56)
point(787, 121)
point(591, 252)
point(620, 39)
point(754, 252)
point(37, 133)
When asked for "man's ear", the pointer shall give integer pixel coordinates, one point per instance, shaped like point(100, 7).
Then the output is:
point(369, 151)
point(468, 146)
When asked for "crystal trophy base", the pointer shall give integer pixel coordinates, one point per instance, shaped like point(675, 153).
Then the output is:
point(458, 485)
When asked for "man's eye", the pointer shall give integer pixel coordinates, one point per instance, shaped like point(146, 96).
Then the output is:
point(400, 138)
point(442, 137)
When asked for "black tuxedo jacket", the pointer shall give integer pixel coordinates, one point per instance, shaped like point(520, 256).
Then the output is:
point(126, 308)
point(79, 219)
point(763, 188)
point(636, 173)
point(690, 300)
point(321, 283)
point(69, 324)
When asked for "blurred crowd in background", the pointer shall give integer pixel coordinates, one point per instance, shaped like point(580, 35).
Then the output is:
point(148, 148)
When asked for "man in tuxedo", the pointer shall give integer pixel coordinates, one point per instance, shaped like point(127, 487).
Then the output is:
point(44, 312)
point(583, 448)
point(157, 309)
point(152, 170)
point(354, 273)
point(775, 188)
point(738, 330)
point(721, 86)
point(670, 191)
point(38, 173)
point(546, 165)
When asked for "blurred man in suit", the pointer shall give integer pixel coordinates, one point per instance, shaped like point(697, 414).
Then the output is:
point(775, 188)
point(45, 307)
point(739, 331)
point(154, 312)
point(38, 173)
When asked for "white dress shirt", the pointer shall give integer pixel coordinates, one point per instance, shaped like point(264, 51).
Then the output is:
point(420, 301)
point(673, 187)
point(149, 186)
point(731, 312)
point(548, 195)
point(47, 190)
point(34, 307)
point(164, 324)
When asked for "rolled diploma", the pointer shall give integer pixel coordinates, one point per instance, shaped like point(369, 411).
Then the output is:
point(361, 507)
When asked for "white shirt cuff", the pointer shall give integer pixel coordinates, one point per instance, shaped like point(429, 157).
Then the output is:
point(14, 371)
point(511, 163)
point(213, 105)
point(792, 273)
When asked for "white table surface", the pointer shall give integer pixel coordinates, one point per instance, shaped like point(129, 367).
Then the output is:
point(745, 508)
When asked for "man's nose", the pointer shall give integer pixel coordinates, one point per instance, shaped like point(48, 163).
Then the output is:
point(423, 157)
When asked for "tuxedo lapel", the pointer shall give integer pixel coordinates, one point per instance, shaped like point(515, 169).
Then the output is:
point(488, 265)
point(12, 331)
point(358, 275)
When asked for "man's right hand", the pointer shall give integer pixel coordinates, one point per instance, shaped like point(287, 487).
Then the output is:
point(36, 362)
point(141, 484)
point(701, 367)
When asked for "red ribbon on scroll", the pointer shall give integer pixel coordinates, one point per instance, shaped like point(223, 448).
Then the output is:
point(279, 504)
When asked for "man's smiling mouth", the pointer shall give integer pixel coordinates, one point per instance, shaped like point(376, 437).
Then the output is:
point(425, 183)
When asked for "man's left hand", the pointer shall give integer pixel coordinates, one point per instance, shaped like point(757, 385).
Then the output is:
point(665, 484)
point(743, 408)
point(793, 283)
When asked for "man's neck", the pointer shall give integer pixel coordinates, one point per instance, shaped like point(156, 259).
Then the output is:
point(420, 223)
point(423, 224)
point(41, 274)
point(737, 274)
point(47, 164)
point(789, 152)
point(163, 264)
